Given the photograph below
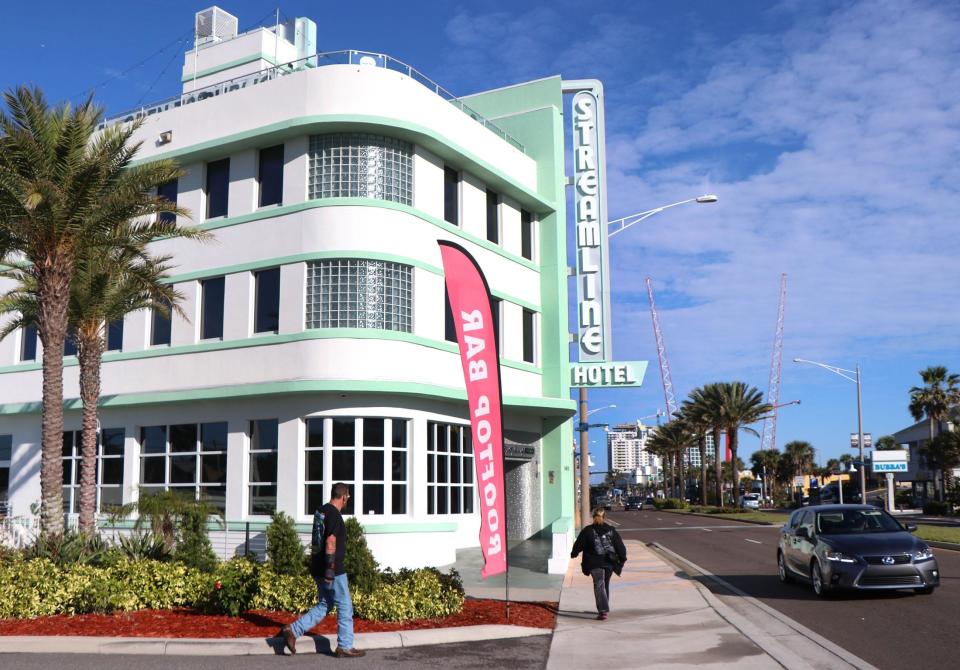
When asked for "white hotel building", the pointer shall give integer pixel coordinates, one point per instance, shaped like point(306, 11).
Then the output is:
point(317, 348)
point(627, 453)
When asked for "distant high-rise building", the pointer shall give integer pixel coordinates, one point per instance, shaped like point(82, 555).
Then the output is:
point(693, 453)
point(627, 452)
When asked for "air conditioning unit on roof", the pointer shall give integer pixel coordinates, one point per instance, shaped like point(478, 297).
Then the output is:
point(213, 25)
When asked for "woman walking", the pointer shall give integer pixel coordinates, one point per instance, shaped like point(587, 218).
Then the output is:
point(603, 554)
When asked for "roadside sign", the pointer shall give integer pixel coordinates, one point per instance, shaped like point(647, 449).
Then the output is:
point(855, 440)
point(896, 466)
point(798, 481)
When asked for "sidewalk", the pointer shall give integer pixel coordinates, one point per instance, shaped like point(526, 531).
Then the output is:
point(663, 617)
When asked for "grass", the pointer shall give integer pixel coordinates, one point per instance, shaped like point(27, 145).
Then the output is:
point(773, 518)
point(938, 533)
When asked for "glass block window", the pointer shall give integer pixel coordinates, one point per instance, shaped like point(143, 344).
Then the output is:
point(450, 483)
point(190, 459)
point(263, 466)
point(359, 293)
point(356, 165)
point(6, 454)
point(108, 472)
point(369, 454)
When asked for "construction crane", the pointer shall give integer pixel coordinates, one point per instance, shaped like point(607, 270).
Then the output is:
point(662, 356)
point(768, 439)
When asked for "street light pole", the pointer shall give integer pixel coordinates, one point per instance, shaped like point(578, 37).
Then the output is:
point(856, 380)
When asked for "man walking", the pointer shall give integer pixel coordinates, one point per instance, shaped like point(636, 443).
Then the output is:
point(326, 565)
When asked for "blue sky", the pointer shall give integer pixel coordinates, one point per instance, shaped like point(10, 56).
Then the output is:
point(829, 130)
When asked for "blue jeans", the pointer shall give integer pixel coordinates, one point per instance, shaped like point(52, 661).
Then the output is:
point(337, 594)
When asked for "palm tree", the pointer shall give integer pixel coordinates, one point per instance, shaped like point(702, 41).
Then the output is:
point(694, 415)
point(767, 462)
point(741, 405)
point(64, 188)
point(706, 404)
point(801, 455)
point(886, 443)
point(940, 393)
point(672, 439)
point(943, 454)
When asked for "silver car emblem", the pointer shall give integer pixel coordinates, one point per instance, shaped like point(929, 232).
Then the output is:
point(887, 560)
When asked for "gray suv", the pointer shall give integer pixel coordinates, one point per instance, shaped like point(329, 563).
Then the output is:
point(854, 547)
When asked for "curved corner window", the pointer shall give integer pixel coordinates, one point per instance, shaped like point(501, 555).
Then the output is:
point(357, 165)
point(359, 293)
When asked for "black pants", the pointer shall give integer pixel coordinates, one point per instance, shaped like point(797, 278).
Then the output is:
point(601, 588)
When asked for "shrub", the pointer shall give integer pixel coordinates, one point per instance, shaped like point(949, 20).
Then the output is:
point(362, 568)
point(231, 588)
point(670, 503)
point(285, 552)
point(139, 546)
point(287, 593)
point(69, 548)
point(193, 545)
point(727, 510)
point(411, 594)
point(935, 507)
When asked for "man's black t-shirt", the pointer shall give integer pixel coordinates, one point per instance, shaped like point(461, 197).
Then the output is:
point(333, 525)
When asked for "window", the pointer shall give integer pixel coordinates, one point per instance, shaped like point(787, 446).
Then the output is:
point(271, 176)
point(6, 455)
point(449, 469)
point(211, 308)
point(263, 466)
point(359, 293)
point(529, 336)
point(449, 327)
point(451, 196)
point(108, 469)
point(368, 454)
point(160, 326)
point(168, 191)
point(355, 165)
point(70, 344)
point(526, 235)
point(218, 186)
point(493, 217)
point(496, 308)
point(115, 335)
point(28, 344)
point(190, 459)
point(266, 301)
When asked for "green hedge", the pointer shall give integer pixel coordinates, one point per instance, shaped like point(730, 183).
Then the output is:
point(38, 587)
point(670, 503)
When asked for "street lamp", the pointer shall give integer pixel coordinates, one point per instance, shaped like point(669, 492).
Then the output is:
point(623, 224)
point(845, 373)
point(628, 221)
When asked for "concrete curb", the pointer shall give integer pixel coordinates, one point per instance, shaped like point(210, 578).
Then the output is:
point(321, 644)
point(719, 516)
point(942, 545)
point(775, 649)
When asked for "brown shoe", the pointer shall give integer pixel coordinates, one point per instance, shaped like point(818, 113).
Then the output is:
point(289, 639)
point(349, 653)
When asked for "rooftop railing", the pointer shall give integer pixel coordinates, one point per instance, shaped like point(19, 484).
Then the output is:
point(345, 57)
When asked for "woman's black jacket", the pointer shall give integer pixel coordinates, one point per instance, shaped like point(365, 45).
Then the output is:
point(592, 540)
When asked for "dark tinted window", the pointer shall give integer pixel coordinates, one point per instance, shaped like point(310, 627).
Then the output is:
point(526, 235)
point(28, 347)
point(271, 176)
point(495, 308)
point(267, 306)
point(70, 344)
point(449, 327)
point(493, 218)
point(211, 317)
point(160, 330)
point(528, 336)
point(168, 191)
point(115, 335)
point(218, 186)
point(451, 196)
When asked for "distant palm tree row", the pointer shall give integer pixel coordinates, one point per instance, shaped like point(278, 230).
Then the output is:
point(711, 409)
point(76, 219)
point(938, 400)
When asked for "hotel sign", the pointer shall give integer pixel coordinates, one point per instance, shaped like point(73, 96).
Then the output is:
point(590, 217)
point(616, 374)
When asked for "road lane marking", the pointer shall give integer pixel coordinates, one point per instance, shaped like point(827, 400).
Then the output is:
point(706, 529)
point(612, 523)
point(754, 541)
point(712, 528)
point(679, 523)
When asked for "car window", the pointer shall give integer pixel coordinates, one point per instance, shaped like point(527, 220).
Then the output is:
point(856, 521)
point(807, 521)
point(794, 519)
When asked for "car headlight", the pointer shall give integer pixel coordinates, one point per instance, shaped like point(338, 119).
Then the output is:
point(924, 554)
point(839, 557)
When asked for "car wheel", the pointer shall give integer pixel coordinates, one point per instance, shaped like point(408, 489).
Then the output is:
point(816, 576)
point(782, 572)
point(925, 591)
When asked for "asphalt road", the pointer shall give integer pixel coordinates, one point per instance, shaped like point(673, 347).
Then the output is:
point(509, 654)
point(890, 630)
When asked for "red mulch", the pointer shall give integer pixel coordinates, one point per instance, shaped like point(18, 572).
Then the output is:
point(257, 623)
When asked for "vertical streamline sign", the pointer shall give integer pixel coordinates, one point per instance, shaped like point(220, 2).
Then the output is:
point(470, 304)
point(590, 217)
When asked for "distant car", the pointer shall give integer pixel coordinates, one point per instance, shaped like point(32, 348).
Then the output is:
point(605, 503)
point(633, 502)
point(649, 502)
point(854, 547)
point(750, 501)
point(830, 494)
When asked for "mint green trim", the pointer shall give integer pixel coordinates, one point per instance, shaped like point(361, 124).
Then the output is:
point(259, 526)
point(560, 407)
point(380, 529)
point(225, 222)
point(516, 301)
point(422, 135)
point(226, 66)
point(562, 525)
point(300, 258)
point(271, 340)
